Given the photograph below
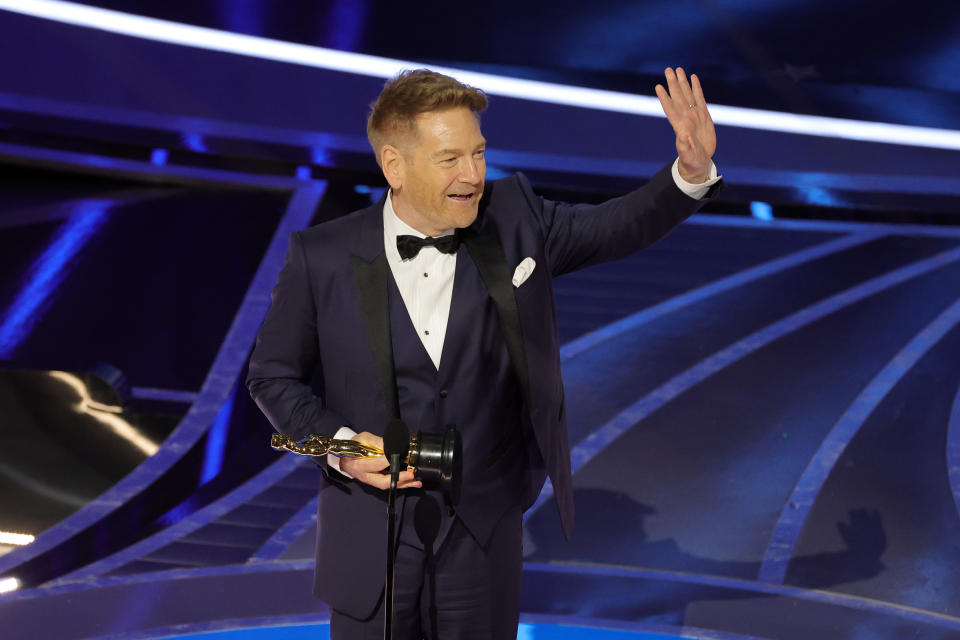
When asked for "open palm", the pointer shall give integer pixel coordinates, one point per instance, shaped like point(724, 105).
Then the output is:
point(686, 109)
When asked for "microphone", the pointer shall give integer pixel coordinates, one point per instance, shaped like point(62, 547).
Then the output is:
point(396, 444)
point(396, 438)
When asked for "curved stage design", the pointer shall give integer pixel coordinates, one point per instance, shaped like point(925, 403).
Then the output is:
point(696, 434)
point(764, 414)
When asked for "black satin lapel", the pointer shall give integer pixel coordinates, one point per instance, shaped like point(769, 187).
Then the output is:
point(371, 281)
point(487, 254)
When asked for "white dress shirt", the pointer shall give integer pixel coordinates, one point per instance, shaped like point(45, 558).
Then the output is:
point(426, 280)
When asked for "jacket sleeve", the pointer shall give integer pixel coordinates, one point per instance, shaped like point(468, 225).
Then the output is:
point(581, 235)
point(287, 355)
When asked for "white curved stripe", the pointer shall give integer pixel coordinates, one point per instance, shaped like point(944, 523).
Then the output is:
point(107, 415)
point(362, 64)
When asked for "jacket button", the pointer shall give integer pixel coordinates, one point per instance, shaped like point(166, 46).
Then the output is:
point(443, 393)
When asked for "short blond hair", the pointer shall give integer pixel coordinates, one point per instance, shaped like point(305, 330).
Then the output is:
point(411, 93)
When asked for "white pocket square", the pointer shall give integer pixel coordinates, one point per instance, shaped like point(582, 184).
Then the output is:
point(523, 271)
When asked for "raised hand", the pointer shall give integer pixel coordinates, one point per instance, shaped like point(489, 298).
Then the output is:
point(686, 109)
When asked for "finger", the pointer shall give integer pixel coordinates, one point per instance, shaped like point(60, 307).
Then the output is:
point(680, 93)
point(699, 99)
point(673, 85)
point(405, 480)
point(369, 465)
point(698, 91)
point(377, 480)
point(684, 87)
point(410, 484)
point(665, 100)
point(666, 104)
point(662, 94)
point(410, 481)
point(375, 462)
point(369, 439)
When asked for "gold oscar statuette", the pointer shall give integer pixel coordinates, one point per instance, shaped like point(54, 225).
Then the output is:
point(320, 445)
point(432, 457)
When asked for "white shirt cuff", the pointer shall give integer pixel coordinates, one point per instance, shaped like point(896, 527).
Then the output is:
point(695, 191)
point(343, 433)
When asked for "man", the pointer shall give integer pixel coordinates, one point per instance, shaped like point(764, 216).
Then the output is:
point(460, 329)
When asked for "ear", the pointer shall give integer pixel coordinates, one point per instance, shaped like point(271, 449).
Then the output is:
point(393, 165)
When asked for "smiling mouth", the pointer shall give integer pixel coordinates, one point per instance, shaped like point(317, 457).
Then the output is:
point(461, 197)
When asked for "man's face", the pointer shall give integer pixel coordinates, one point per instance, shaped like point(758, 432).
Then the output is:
point(441, 172)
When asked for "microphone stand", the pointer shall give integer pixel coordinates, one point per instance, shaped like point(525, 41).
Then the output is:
point(396, 445)
point(433, 456)
point(391, 546)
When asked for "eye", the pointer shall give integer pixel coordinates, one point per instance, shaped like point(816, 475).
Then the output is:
point(479, 153)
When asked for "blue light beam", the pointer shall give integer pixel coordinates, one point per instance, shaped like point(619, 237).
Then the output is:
point(194, 142)
point(761, 211)
point(159, 157)
point(217, 440)
point(48, 272)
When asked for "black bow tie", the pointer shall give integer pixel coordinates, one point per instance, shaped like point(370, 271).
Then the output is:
point(409, 246)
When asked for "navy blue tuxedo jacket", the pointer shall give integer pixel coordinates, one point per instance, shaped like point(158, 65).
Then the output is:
point(330, 310)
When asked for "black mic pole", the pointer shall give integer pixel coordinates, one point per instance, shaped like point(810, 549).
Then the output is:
point(391, 546)
point(396, 442)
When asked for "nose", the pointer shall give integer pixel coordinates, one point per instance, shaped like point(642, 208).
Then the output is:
point(472, 170)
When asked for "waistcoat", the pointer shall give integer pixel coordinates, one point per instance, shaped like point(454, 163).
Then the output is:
point(475, 389)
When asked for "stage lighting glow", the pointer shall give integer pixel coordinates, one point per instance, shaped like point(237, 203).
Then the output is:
point(159, 157)
point(819, 196)
point(361, 64)
point(9, 584)
point(106, 414)
point(16, 539)
point(495, 173)
point(217, 440)
point(48, 271)
point(320, 154)
point(761, 211)
point(194, 142)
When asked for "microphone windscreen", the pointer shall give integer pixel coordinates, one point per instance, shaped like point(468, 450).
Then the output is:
point(396, 438)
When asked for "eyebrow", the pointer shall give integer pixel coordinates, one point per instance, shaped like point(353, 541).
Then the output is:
point(447, 152)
